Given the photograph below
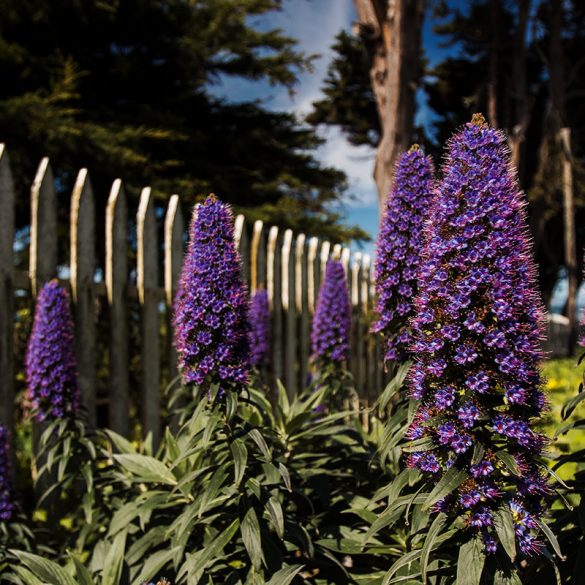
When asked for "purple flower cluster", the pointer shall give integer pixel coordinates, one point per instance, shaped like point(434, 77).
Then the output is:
point(51, 367)
point(332, 319)
point(211, 314)
point(7, 506)
point(477, 334)
point(260, 329)
point(398, 250)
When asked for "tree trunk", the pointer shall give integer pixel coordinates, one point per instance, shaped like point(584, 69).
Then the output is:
point(556, 88)
point(570, 238)
point(391, 31)
point(494, 56)
point(522, 107)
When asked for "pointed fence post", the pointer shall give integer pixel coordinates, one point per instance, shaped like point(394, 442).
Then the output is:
point(241, 242)
point(312, 269)
point(174, 227)
point(147, 284)
point(274, 289)
point(82, 263)
point(289, 306)
point(356, 328)
point(43, 228)
point(7, 199)
point(116, 292)
point(368, 357)
point(257, 258)
point(302, 307)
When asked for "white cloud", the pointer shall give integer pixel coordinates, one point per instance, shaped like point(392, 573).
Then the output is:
point(356, 161)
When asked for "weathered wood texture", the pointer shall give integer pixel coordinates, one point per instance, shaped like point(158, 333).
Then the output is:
point(116, 284)
point(148, 297)
point(6, 292)
point(289, 266)
point(82, 271)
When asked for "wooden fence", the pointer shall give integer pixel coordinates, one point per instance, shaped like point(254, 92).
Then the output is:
point(289, 265)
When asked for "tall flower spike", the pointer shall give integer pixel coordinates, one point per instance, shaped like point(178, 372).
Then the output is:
point(7, 506)
point(211, 315)
point(51, 367)
point(477, 335)
point(260, 329)
point(398, 250)
point(332, 319)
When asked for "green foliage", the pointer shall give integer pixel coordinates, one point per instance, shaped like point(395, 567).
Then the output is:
point(125, 88)
point(349, 102)
point(245, 491)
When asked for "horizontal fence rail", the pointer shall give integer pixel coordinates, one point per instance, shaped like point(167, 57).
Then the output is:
point(288, 265)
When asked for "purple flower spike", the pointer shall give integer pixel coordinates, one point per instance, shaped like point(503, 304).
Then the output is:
point(398, 250)
point(260, 329)
point(7, 506)
point(211, 314)
point(477, 332)
point(332, 319)
point(51, 367)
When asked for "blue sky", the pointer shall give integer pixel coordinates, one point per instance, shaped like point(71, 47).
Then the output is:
point(315, 23)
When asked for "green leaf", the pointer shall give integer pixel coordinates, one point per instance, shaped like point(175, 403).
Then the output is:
point(114, 560)
point(255, 435)
point(154, 564)
point(551, 537)
point(403, 561)
point(46, 570)
point(509, 461)
point(276, 515)
point(394, 385)
point(240, 455)
point(430, 540)
point(250, 529)
point(197, 564)
point(212, 488)
point(478, 451)
point(470, 562)
point(146, 469)
point(504, 526)
point(571, 404)
point(123, 445)
point(503, 578)
point(27, 577)
point(285, 476)
point(452, 479)
point(284, 576)
point(81, 572)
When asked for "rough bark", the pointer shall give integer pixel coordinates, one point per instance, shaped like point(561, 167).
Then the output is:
point(494, 56)
point(556, 75)
point(522, 106)
point(391, 31)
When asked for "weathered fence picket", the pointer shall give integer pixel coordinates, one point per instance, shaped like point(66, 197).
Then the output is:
point(43, 228)
point(6, 292)
point(82, 271)
point(148, 297)
point(116, 284)
point(289, 266)
point(174, 228)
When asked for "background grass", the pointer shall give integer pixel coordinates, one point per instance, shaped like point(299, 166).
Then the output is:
point(563, 377)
